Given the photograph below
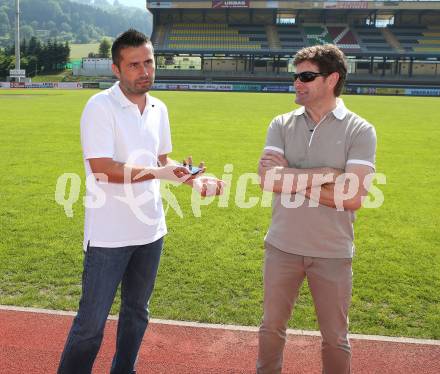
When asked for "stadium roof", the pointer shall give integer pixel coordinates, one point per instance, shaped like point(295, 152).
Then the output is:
point(295, 4)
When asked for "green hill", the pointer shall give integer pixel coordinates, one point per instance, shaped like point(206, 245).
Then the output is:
point(66, 20)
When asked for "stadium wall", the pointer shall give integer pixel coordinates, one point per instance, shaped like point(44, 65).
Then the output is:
point(228, 87)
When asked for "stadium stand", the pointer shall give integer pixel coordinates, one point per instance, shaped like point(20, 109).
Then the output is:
point(408, 37)
point(290, 37)
point(317, 35)
point(342, 36)
point(430, 40)
point(207, 36)
point(371, 39)
point(255, 40)
point(418, 39)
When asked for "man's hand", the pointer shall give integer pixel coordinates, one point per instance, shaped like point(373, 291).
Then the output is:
point(183, 170)
point(272, 159)
point(348, 192)
point(277, 176)
point(172, 172)
point(208, 186)
point(188, 162)
point(334, 172)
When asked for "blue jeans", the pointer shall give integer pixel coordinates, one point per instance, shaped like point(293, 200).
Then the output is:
point(104, 269)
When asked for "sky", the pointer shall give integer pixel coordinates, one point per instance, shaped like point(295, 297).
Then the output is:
point(135, 3)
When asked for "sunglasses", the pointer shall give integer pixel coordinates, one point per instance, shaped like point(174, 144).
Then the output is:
point(308, 76)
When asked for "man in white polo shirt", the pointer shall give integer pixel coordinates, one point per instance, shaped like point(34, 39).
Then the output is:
point(125, 136)
point(311, 235)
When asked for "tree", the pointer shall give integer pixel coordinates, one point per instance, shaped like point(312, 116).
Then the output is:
point(5, 26)
point(32, 66)
point(104, 48)
point(51, 25)
point(83, 35)
point(34, 47)
point(66, 52)
point(23, 47)
point(66, 27)
point(26, 32)
point(101, 3)
point(34, 25)
point(7, 62)
point(37, 57)
point(40, 10)
point(80, 20)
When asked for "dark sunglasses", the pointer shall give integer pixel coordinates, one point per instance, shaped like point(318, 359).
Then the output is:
point(308, 76)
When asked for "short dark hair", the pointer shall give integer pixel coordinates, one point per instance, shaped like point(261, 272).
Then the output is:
point(329, 59)
point(129, 38)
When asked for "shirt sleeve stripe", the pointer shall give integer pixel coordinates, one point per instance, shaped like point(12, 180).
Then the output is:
point(361, 162)
point(276, 149)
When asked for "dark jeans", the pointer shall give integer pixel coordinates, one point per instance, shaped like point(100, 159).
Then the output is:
point(104, 269)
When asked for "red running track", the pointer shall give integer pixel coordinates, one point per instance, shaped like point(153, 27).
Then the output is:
point(31, 343)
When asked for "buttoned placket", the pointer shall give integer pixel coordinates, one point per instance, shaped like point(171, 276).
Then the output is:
point(316, 127)
point(143, 118)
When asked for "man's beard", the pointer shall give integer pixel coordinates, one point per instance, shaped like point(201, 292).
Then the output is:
point(139, 86)
point(142, 86)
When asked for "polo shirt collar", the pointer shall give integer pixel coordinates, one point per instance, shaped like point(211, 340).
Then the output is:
point(339, 112)
point(122, 99)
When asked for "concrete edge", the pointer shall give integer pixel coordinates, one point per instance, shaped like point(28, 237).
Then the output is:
point(392, 339)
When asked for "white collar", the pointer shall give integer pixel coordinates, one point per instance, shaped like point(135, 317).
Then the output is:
point(339, 112)
point(120, 97)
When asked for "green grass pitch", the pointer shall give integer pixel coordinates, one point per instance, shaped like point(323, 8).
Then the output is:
point(211, 266)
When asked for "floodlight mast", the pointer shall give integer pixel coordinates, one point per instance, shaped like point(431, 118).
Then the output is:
point(17, 35)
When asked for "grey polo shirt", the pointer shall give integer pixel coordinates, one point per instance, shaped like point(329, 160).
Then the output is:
point(341, 138)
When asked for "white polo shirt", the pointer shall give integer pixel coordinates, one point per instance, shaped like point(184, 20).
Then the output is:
point(119, 215)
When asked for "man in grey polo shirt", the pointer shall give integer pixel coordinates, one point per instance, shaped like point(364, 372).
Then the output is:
point(317, 161)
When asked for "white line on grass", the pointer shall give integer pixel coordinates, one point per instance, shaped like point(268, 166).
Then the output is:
point(232, 327)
